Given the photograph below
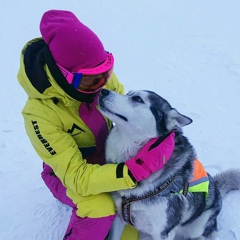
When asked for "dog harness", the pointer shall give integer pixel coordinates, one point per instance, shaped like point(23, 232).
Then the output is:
point(126, 202)
point(199, 183)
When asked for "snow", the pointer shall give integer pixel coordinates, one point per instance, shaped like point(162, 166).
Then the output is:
point(186, 51)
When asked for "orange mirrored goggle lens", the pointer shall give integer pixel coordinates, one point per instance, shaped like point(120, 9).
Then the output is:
point(93, 83)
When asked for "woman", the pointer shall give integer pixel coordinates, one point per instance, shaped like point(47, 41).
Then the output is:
point(62, 74)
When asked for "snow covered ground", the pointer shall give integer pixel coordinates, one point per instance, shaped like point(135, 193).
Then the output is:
point(186, 51)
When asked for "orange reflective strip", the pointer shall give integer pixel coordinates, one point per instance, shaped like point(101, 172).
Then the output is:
point(199, 171)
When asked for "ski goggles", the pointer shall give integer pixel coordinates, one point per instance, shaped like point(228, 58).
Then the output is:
point(90, 80)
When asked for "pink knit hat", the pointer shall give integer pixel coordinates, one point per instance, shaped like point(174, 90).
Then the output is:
point(72, 44)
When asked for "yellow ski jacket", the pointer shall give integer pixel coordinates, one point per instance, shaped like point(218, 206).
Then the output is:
point(57, 133)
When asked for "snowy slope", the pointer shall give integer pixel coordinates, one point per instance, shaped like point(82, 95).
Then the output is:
point(186, 51)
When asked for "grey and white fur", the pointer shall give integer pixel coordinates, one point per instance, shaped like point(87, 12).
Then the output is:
point(138, 117)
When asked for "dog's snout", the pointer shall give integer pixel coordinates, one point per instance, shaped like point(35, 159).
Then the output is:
point(105, 92)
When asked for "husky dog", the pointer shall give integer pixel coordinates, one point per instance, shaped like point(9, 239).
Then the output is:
point(161, 206)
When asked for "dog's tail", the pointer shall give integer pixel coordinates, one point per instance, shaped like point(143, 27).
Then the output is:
point(228, 181)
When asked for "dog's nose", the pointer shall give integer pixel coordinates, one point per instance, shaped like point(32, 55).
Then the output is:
point(105, 92)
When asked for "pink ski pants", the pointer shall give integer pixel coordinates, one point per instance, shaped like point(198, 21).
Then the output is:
point(78, 228)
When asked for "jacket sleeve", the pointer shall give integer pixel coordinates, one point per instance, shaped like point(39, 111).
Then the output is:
point(59, 150)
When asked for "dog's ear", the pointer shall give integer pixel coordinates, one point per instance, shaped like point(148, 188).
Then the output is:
point(176, 120)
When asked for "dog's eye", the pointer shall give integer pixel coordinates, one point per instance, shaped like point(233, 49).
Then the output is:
point(137, 99)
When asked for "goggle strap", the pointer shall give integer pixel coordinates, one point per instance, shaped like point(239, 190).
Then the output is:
point(77, 77)
point(68, 75)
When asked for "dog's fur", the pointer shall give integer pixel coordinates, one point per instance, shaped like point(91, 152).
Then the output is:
point(138, 117)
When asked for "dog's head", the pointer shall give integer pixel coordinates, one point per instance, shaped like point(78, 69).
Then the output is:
point(142, 112)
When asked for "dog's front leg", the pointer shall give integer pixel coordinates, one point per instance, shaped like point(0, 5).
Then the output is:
point(117, 228)
point(157, 236)
point(145, 236)
point(152, 236)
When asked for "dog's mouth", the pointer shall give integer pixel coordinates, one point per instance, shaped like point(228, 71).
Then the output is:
point(121, 116)
point(116, 114)
point(106, 110)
